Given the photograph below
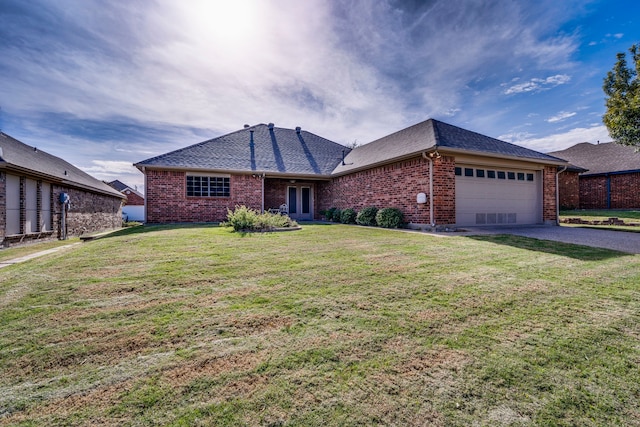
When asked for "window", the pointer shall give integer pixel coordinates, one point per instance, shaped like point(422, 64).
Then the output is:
point(468, 172)
point(511, 175)
point(479, 173)
point(501, 175)
point(529, 177)
point(458, 171)
point(491, 174)
point(207, 186)
point(520, 176)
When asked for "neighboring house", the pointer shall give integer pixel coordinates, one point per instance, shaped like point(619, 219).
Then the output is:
point(133, 210)
point(31, 185)
point(436, 173)
point(608, 177)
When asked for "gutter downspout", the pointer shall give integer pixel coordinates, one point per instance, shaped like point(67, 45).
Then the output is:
point(564, 168)
point(424, 155)
point(144, 172)
point(608, 177)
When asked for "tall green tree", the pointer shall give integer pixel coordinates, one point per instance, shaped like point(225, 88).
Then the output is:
point(622, 87)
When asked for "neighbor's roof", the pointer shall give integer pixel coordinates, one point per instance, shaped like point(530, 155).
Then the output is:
point(431, 135)
point(275, 151)
point(18, 157)
point(601, 158)
point(121, 186)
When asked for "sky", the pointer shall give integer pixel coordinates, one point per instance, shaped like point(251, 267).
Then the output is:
point(104, 85)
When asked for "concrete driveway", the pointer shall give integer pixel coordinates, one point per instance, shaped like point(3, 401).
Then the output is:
point(616, 240)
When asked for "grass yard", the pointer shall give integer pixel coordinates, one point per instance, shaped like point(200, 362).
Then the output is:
point(332, 325)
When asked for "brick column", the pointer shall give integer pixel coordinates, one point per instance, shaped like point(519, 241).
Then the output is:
point(444, 190)
point(549, 208)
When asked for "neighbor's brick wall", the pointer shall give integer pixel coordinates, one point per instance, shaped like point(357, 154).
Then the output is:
point(569, 188)
point(549, 210)
point(88, 213)
point(625, 191)
point(395, 185)
point(133, 199)
point(167, 200)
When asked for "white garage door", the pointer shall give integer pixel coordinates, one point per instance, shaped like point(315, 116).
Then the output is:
point(497, 196)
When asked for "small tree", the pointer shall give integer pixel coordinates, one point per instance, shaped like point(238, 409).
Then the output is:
point(622, 87)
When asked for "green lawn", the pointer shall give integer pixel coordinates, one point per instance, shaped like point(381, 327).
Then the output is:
point(598, 214)
point(331, 325)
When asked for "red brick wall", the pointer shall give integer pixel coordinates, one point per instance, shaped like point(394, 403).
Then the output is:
point(167, 200)
point(395, 185)
point(444, 190)
point(549, 210)
point(274, 193)
point(569, 189)
point(624, 191)
point(133, 199)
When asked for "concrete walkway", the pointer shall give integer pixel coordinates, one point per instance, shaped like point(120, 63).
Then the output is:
point(617, 240)
point(9, 262)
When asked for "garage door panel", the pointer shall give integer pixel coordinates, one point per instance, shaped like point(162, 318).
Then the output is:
point(493, 201)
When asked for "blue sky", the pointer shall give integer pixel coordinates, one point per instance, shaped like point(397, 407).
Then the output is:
point(107, 84)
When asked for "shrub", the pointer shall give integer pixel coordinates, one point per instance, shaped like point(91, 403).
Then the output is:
point(244, 219)
point(390, 218)
point(348, 216)
point(337, 214)
point(241, 218)
point(367, 216)
point(329, 214)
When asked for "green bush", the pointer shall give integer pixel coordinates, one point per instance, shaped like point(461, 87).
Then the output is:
point(244, 219)
point(390, 218)
point(348, 216)
point(329, 214)
point(337, 214)
point(367, 216)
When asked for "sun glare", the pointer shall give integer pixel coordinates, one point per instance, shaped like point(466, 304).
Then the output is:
point(232, 22)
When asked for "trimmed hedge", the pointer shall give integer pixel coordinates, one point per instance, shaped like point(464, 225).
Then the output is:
point(390, 218)
point(348, 216)
point(367, 216)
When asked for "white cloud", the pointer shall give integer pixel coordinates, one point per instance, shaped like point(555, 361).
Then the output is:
point(515, 137)
point(567, 139)
point(563, 115)
point(538, 84)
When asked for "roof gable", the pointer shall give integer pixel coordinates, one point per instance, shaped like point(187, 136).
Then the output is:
point(122, 187)
point(430, 135)
point(16, 155)
point(601, 158)
point(259, 148)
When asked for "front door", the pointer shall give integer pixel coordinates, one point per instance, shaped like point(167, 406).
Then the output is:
point(300, 202)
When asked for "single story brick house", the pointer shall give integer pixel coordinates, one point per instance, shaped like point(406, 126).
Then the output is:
point(436, 173)
point(32, 184)
point(133, 209)
point(605, 176)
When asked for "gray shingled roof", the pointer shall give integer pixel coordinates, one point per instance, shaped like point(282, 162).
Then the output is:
point(19, 157)
point(433, 134)
point(601, 158)
point(277, 150)
point(121, 186)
